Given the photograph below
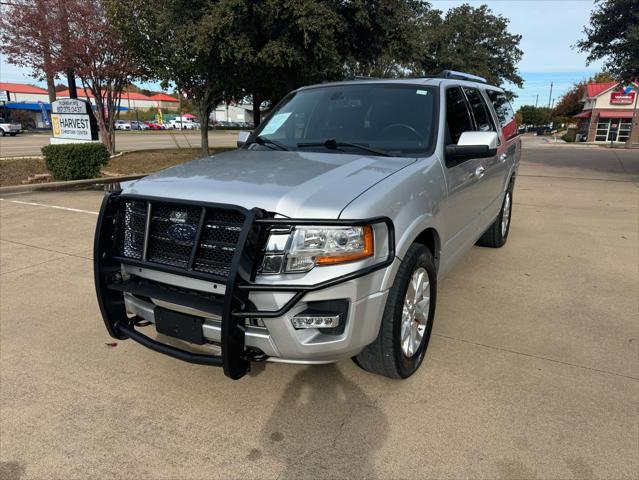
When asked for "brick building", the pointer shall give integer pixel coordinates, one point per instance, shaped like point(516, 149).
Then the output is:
point(608, 112)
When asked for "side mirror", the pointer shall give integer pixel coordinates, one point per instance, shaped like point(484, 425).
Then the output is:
point(242, 137)
point(472, 145)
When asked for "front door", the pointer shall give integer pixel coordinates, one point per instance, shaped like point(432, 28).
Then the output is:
point(463, 205)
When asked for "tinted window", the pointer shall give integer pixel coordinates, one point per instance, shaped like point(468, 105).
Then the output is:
point(483, 121)
point(398, 119)
point(502, 106)
point(458, 118)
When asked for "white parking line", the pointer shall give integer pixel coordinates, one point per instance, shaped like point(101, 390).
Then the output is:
point(78, 210)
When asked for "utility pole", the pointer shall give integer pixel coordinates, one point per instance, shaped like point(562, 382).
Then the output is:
point(536, 100)
point(550, 96)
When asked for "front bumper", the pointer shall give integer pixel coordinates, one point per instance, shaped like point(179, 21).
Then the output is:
point(127, 295)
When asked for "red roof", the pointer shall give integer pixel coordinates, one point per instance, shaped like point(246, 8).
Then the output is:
point(615, 114)
point(596, 89)
point(584, 114)
point(88, 94)
point(81, 94)
point(163, 97)
point(22, 88)
point(135, 96)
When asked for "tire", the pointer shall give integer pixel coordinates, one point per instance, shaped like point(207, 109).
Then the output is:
point(2, 133)
point(386, 356)
point(497, 233)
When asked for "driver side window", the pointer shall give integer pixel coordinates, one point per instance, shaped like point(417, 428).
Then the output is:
point(458, 118)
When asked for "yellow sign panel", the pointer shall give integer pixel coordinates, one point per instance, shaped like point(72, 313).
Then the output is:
point(55, 121)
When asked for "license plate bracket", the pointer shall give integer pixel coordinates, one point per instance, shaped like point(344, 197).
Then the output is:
point(179, 325)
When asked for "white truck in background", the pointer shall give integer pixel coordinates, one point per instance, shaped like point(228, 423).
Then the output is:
point(8, 127)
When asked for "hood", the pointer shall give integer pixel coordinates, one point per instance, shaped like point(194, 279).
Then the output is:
point(293, 184)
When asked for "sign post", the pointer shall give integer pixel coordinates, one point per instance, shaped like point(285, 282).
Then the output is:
point(73, 121)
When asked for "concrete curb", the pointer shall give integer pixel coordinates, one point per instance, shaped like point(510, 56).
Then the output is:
point(70, 185)
point(30, 157)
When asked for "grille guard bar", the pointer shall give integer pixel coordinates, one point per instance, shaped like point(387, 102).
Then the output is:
point(235, 358)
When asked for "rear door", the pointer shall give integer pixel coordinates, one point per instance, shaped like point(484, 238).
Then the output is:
point(495, 173)
point(463, 205)
point(508, 132)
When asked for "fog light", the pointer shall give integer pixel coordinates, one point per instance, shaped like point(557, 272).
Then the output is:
point(315, 321)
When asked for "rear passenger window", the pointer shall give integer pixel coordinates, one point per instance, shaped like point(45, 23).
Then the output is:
point(458, 118)
point(480, 110)
point(502, 107)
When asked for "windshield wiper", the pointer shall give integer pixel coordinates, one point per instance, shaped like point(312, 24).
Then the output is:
point(267, 142)
point(333, 144)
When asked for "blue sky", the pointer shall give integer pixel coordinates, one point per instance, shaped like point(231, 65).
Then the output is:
point(549, 29)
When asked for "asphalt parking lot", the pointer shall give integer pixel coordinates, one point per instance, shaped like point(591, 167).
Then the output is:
point(532, 371)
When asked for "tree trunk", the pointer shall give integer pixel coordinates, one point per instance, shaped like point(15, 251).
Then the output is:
point(49, 75)
point(73, 91)
point(50, 87)
point(257, 113)
point(204, 110)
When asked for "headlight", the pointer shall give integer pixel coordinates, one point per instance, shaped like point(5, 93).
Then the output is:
point(305, 247)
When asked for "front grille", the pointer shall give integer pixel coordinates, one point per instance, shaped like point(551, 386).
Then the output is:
point(174, 230)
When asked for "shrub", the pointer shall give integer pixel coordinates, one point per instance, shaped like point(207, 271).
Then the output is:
point(75, 161)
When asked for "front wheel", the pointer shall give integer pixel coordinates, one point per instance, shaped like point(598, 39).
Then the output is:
point(407, 323)
point(2, 133)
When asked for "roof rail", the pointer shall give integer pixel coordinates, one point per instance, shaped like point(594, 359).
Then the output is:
point(361, 77)
point(461, 76)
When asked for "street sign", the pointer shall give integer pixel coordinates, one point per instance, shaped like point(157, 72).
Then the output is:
point(4, 96)
point(71, 105)
point(73, 119)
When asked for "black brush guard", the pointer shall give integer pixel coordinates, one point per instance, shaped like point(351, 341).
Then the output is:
point(234, 307)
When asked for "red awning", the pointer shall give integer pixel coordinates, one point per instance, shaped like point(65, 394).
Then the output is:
point(615, 114)
point(586, 114)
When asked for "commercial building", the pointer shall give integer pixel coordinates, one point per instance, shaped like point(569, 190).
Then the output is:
point(26, 104)
point(166, 101)
point(607, 113)
point(30, 106)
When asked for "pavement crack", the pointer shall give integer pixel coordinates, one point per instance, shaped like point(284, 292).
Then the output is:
point(46, 250)
point(507, 350)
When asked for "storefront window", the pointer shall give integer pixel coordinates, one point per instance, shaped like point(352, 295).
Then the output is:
point(613, 130)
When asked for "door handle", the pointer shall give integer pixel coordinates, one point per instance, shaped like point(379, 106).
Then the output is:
point(503, 157)
point(480, 172)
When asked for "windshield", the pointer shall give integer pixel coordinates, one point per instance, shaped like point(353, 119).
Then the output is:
point(391, 119)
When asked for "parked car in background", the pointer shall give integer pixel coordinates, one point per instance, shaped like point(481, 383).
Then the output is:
point(193, 125)
point(122, 125)
point(154, 126)
point(323, 236)
point(184, 122)
point(136, 125)
point(8, 127)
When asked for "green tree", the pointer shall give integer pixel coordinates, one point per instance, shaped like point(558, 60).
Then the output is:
point(472, 40)
point(613, 35)
point(170, 42)
point(531, 115)
point(386, 37)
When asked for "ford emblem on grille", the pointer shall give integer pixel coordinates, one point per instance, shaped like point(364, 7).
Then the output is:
point(182, 232)
point(178, 216)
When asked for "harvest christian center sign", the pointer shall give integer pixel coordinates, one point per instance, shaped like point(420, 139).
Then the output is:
point(72, 119)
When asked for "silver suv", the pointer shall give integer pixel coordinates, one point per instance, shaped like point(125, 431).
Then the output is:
point(322, 237)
